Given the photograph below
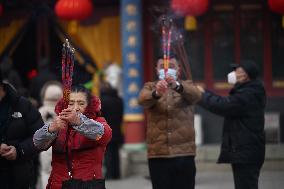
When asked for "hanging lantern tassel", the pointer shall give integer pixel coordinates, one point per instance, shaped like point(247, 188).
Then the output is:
point(190, 23)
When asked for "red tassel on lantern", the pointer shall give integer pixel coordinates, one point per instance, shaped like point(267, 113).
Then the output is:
point(189, 7)
point(74, 9)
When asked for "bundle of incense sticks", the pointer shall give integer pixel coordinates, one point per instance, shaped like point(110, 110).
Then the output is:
point(166, 33)
point(67, 65)
point(171, 36)
point(184, 62)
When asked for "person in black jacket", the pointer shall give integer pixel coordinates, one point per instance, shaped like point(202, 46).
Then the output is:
point(112, 110)
point(18, 122)
point(243, 139)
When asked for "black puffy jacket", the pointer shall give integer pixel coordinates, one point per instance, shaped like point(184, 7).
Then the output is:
point(112, 111)
point(243, 139)
point(17, 130)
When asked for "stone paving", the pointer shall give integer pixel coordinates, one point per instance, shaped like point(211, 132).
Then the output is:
point(204, 180)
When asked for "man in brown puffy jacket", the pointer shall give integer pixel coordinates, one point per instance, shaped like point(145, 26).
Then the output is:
point(170, 127)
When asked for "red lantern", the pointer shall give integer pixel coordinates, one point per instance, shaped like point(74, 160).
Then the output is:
point(276, 6)
point(74, 9)
point(189, 7)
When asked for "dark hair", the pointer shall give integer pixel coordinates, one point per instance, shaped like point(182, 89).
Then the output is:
point(81, 88)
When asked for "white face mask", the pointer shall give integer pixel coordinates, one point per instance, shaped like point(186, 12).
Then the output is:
point(232, 78)
point(171, 72)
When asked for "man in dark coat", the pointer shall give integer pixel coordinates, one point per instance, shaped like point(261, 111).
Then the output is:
point(18, 122)
point(243, 140)
point(112, 110)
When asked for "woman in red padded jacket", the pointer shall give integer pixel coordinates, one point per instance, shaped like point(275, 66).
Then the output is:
point(85, 133)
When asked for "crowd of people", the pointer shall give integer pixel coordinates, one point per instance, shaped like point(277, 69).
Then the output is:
point(55, 145)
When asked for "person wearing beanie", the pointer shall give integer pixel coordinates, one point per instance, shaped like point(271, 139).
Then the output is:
point(243, 139)
point(249, 67)
point(18, 122)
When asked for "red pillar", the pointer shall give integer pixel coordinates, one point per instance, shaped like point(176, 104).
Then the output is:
point(237, 34)
point(208, 66)
point(134, 132)
point(267, 51)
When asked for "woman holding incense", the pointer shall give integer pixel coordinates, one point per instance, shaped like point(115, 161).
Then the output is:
point(78, 136)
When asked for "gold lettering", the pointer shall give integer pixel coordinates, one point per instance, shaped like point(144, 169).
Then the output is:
point(133, 102)
point(132, 41)
point(132, 58)
point(131, 9)
point(131, 26)
point(133, 72)
point(133, 88)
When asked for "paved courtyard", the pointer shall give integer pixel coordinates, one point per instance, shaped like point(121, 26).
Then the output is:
point(204, 180)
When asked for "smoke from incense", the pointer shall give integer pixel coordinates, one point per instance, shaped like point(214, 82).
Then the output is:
point(176, 41)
